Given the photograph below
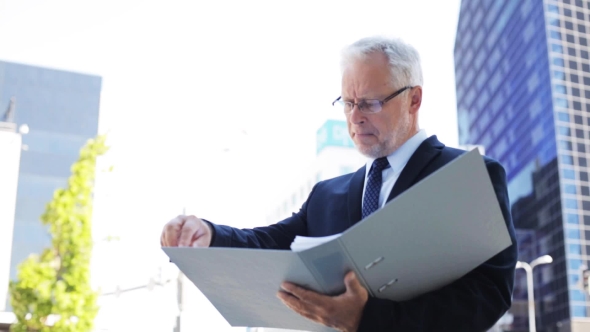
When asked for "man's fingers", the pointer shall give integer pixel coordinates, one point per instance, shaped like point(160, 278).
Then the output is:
point(171, 232)
point(352, 283)
point(296, 305)
point(202, 237)
point(306, 310)
point(188, 229)
point(201, 241)
point(303, 294)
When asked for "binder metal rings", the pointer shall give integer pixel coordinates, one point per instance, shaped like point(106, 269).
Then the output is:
point(373, 263)
point(391, 282)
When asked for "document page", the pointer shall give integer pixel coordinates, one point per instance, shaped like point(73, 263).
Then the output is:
point(304, 242)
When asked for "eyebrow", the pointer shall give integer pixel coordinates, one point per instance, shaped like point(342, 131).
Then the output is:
point(364, 98)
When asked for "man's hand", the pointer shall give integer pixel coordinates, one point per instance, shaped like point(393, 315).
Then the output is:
point(342, 312)
point(186, 231)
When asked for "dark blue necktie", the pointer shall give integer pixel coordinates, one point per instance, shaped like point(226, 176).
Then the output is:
point(373, 188)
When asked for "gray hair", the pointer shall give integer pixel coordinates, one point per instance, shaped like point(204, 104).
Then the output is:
point(404, 60)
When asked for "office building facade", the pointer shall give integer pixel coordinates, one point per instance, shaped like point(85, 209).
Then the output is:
point(523, 92)
point(60, 111)
point(10, 148)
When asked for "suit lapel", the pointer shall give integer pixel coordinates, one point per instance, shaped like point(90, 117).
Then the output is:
point(355, 196)
point(429, 149)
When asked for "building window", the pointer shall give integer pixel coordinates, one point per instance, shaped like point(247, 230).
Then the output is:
point(573, 233)
point(578, 295)
point(570, 38)
point(586, 192)
point(579, 133)
point(563, 117)
point(569, 25)
point(557, 48)
point(569, 174)
point(581, 28)
point(480, 58)
point(582, 161)
point(558, 62)
point(571, 51)
point(559, 75)
point(584, 176)
point(574, 78)
point(574, 249)
point(583, 41)
point(579, 310)
point(575, 92)
point(567, 160)
point(478, 38)
point(563, 131)
point(572, 218)
point(569, 189)
point(560, 102)
point(573, 64)
point(581, 147)
point(555, 35)
point(566, 145)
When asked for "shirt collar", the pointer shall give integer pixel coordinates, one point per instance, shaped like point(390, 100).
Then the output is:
point(399, 158)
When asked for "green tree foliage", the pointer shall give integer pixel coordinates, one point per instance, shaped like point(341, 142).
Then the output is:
point(55, 286)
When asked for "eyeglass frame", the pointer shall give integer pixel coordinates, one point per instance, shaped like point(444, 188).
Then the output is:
point(381, 102)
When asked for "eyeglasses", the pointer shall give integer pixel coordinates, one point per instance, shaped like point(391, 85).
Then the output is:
point(368, 106)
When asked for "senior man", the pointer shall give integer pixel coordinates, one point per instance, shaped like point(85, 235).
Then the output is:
point(381, 98)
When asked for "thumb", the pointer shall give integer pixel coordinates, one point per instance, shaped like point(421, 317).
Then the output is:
point(352, 283)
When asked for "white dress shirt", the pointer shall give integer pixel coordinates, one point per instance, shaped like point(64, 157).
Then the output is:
point(397, 162)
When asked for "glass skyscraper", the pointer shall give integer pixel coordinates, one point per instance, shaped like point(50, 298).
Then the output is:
point(523, 92)
point(60, 110)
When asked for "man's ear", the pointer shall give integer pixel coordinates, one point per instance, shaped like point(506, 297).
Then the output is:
point(415, 99)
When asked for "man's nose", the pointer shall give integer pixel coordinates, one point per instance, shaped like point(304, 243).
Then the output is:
point(356, 116)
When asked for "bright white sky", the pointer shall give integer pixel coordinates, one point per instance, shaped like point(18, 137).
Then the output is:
point(184, 80)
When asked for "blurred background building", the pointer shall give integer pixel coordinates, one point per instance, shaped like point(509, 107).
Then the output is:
point(335, 156)
point(57, 111)
point(523, 92)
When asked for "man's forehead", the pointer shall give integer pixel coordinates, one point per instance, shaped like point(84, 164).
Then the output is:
point(363, 83)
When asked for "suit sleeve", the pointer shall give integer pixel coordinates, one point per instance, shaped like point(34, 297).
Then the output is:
point(473, 303)
point(276, 236)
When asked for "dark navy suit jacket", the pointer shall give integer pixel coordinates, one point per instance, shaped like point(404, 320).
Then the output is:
point(473, 303)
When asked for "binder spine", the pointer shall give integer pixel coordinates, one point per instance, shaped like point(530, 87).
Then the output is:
point(328, 263)
point(315, 273)
point(357, 270)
